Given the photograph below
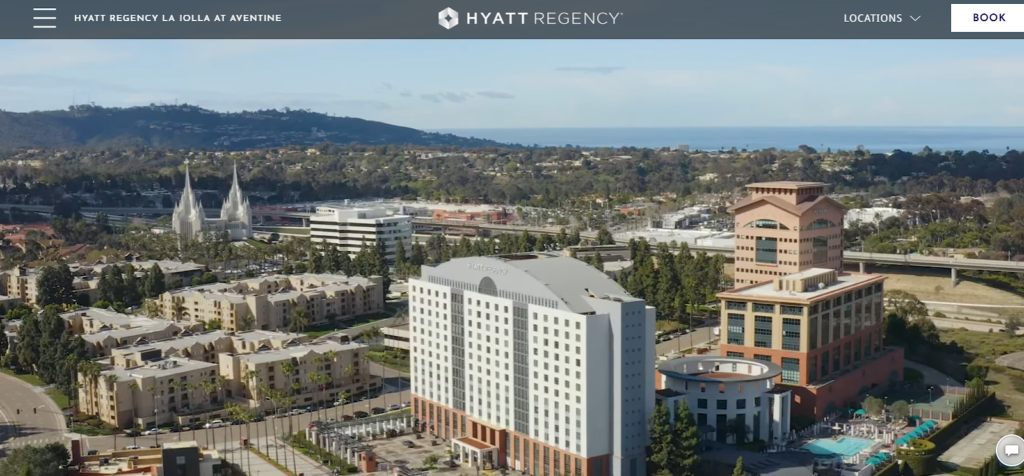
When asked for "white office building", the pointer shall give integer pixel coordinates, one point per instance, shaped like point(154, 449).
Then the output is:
point(537, 363)
point(719, 390)
point(353, 228)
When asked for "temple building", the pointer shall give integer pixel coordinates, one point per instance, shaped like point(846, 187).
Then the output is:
point(189, 220)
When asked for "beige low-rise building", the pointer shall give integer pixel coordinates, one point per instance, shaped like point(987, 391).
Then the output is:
point(166, 390)
point(252, 377)
point(396, 337)
point(269, 303)
point(205, 347)
point(20, 282)
point(171, 458)
point(105, 330)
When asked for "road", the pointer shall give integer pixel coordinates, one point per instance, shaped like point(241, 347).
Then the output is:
point(219, 437)
point(969, 325)
point(699, 337)
point(39, 422)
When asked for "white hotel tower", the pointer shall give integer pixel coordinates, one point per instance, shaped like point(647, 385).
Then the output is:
point(541, 364)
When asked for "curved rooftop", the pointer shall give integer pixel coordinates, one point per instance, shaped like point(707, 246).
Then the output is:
point(555, 282)
point(714, 368)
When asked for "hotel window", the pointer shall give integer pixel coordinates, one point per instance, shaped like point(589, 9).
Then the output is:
point(820, 249)
point(763, 358)
point(736, 328)
point(766, 224)
point(741, 404)
point(812, 368)
point(790, 334)
point(824, 364)
point(856, 350)
point(722, 405)
point(812, 328)
point(836, 324)
point(835, 359)
point(824, 329)
point(790, 370)
point(847, 320)
point(846, 354)
point(761, 307)
point(702, 403)
point(767, 251)
point(735, 354)
point(736, 305)
point(792, 310)
point(867, 345)
point(763, 331)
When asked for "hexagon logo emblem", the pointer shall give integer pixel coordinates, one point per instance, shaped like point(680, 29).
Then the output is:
point(448, 18)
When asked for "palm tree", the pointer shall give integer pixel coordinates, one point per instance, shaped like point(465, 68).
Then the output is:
point(208, 388)
point(180, 386)
point(152, 395)
point(348, 373)
point(110, 380)
point(231, 412)
point(134, 386)
point(366, 360)
point(179, 310)
point(298, 320)
point(245, 322)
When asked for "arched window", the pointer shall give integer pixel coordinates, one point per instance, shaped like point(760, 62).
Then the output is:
point(768, 224)
point(821, 223)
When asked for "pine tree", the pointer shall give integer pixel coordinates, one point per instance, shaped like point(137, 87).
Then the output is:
point(29, 343)
point(400, 259)
point(155, 281)
point(738, 470)
point(595, 261)
point(55, 286)
point(687, 437)
point(662, 439)
point(419, 255)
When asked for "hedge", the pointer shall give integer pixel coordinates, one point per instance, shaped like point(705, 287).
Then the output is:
point(893, 469)
point(920, 458)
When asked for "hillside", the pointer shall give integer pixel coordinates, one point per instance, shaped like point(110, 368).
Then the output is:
point(188, 126)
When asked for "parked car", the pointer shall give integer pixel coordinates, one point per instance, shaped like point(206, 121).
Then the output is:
point(406, 405)
point(347, 418)
point(195, 426)
point(377, 410)
point(258, 418)
point(153, 431)
point(361, 415)
point(92, 452)
point(132, 447)
point(409, 444)
point(214, 424)
point(394, 407)
point(132, 432)
point(176, 429)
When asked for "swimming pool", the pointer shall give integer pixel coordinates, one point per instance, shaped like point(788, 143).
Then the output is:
point(846, 446)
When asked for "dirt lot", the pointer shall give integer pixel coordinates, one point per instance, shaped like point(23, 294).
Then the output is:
point(937, 288)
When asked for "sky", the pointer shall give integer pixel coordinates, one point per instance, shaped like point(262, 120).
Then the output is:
point(539, 84)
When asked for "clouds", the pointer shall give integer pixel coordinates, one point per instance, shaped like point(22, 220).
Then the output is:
point(459, 98)
point(590, 69)
point(495, 95)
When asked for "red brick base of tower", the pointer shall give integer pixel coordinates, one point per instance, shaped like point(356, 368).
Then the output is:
point(447, 423)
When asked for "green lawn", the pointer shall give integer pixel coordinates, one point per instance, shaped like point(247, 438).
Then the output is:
point(31, 379)
point(59, 398)
point(391, 359)
point(318, 331)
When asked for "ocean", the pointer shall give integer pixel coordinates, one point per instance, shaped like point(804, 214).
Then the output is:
point(875, 139)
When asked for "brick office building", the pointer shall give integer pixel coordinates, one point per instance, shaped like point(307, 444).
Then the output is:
point(796, 308)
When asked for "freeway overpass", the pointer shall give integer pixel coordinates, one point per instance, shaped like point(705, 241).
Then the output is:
point(485, 229)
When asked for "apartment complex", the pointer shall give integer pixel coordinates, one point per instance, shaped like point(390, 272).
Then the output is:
point(353, 229)
point(343, 365)
point(168, 375)
point(823, 327)
point(786, 227)
point(105, 330)
point(167, 389)
point(268, 303)
point(537, 363)
point(20, 282)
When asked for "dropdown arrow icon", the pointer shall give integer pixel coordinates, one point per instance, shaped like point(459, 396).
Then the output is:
point(915, 18)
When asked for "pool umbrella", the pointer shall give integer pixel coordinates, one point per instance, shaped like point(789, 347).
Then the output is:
point(861, 412)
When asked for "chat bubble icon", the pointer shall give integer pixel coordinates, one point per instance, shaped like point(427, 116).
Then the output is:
point(1010, 450)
